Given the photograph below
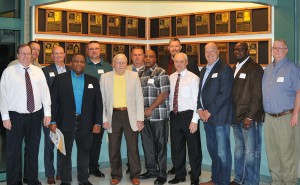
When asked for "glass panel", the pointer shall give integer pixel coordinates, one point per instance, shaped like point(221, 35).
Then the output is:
point(10, 8)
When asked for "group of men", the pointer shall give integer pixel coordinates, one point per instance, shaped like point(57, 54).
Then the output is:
point(148, 97)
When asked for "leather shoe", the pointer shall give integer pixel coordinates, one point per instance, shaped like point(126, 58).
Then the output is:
point(176, 181)
point(51, 180)
point(160, 181)
point(86, 183)
point(172, 171)
point(97, 173)
point(135, 181)
point(114, 181)
point(207, 183)
point(148, 175)
point(194, 183)
point(65, 183)
point(234, 183)
point(19, 183)
point(25, 181)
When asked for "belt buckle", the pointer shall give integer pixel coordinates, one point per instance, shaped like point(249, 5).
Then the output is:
point(122, 108)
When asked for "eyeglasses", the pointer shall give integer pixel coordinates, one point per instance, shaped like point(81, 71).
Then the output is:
point(56, 54)
point(25, 54)
point(93, 49)
point(278, 48)
point(149, 56)
point(239, 49)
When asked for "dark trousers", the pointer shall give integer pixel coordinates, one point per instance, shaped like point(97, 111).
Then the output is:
point(26, 126)
point(83, 143)
point(181, 135)
point(95, 150)
point(154, 138)
point(120, 124)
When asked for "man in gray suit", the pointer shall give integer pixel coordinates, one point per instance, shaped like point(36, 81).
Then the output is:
point(123, 111)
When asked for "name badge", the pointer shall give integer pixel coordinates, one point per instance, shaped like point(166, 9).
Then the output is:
point(150, 81)
point(51, 74)
point(242, 75)
point(90, 86)
point(100, 71)
point(215, 75)
point(280, 79)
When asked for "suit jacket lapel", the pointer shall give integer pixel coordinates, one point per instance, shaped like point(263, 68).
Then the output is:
point(54, 69)
point(70, 87)
point(127, 79)
point(213, 70)
point(241, 69)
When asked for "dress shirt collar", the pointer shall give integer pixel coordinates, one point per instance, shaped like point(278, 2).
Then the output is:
point(89, 61)
point(74, 75)
point(60, 69)
point(23, 67)
point(280, 63)
point(239, 65)
point(209, 67)
point(183, 73)
point(153, 67)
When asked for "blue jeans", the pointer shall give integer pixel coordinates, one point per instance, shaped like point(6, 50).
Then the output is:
point(247, 153)
point(218, 146)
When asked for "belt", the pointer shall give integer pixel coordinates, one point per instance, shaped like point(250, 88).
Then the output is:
point(77, 117)
point(282, 113)
point(120, 109)
point(181, 112)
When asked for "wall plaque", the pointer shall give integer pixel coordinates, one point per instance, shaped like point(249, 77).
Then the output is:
point(132, 27)
point(75, 22)
point(95, 24)
point(202, 24)
point(53, 21)
point(164, 27)
point(114, 25)
point(243, 21)
point(182, 24)
point(222, 22)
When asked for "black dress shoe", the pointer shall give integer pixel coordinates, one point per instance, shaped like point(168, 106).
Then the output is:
point(97, 173)
point(172, 171)
point(19, 183)
point(148, 175)
point(176, 181)
point(160, 181)
point(194, 183)
point(65, 183)
point(25, 181)
point(86, 183)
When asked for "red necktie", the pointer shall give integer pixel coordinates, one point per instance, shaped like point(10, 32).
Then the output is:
point(30, 98)
point(175, 99)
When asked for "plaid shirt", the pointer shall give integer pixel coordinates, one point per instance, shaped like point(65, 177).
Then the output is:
point(155, 81)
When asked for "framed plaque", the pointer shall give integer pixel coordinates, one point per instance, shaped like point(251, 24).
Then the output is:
point(95, 24)
point(131, 27)
point(164, 27)
point(202, 24)
point(253, 50)
point(103, 52)
point(71, 49)
point(243, 21)
point(74, 22)
point(192, 51)
point(182, 25)
point(114, 25)
point(53, 21)
point(48, 46)
point(223, 50)
point(117, 49)
point(222, 22)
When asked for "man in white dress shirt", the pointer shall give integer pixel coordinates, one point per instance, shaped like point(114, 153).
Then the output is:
point(184, 120)
point(24, 91)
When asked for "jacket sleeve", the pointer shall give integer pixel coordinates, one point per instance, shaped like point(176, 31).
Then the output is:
point(98, 104)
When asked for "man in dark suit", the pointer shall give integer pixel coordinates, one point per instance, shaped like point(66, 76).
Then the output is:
point(215, 109)
point(58, 56)
point(167, 63)
point(77, 112)
point(249, 114)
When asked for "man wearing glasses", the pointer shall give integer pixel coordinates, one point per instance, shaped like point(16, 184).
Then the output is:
point(281, 101)
point(95, 66)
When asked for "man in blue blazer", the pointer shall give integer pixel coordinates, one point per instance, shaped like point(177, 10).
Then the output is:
point(215, 109)
point(58, 56)
point(77, 111)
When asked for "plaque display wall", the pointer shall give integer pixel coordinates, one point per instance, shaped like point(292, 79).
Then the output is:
point(103, 53)
point(53, 21)
point(117, 49)
point(95, 24)
point(192, 51)
point(132, 27)
point(222, 22)
point(202, 24)
point(253, 50)
point(165, 27)
point(48, 46)
point(182, 25)
point(71, 49)
point(75, 22)
point(114, 25)
point(223, 50)
point(243, 21)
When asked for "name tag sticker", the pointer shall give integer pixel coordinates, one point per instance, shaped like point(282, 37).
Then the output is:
point(243, 75)
point(215, 75)
point(100, 71)
point(51, 74)
point(90, 86)
point(280, 79)
point(150, 81)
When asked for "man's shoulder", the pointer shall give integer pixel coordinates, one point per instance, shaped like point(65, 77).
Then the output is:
point(48, 68)
point(192, 75)
point(90, 77)
point(13, 62)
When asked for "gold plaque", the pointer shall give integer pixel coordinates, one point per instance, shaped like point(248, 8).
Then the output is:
point(165, 27)
point(182, 24)
point(243, 21)
point(54, 21)
point(222, 22)
point(117, 49)
point(202, 24)
point(48, 46)
point(95, 24)
point(114, 25)
point(132, 27)
point(192, 49)
point(103, 53)
point(222, 47)
point(252, 50)
point(75, 22)
point(71, 49)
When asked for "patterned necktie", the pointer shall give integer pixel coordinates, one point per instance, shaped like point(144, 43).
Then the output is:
point(30, 98)
point(175, 99)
